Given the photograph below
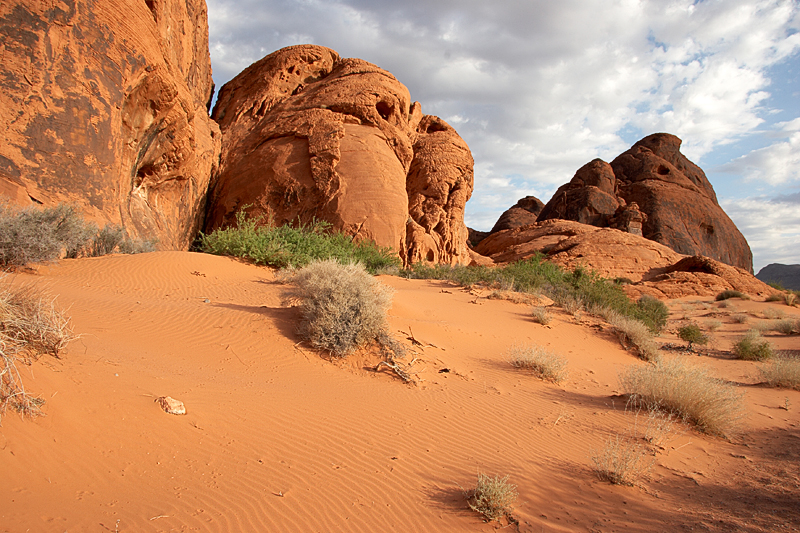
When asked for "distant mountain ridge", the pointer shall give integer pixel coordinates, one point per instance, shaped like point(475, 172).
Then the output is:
point(787, 275)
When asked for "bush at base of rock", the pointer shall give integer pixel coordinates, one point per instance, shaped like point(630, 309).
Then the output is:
point(286, 246)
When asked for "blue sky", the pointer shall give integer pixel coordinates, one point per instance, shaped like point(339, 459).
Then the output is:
point(539, 88)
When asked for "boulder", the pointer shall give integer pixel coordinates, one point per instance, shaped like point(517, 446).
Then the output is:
point(655, 191)
point(105, 105)
point(524, 212)
point(308, 135)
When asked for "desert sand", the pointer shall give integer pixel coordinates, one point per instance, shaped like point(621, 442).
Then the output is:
point(277, 437)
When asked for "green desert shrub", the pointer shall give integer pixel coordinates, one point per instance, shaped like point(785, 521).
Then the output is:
point(751, 347)
point(343, 306)
point(782, 371)
point(574, 291)
point(729, 293)
point(673, 386)
point(34, 235)
point(287, 246)
point(493, 497)
point(540, 361)
point(692, 334)
point(652, 312)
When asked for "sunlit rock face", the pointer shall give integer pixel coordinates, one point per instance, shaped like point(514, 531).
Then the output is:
point(308, 135)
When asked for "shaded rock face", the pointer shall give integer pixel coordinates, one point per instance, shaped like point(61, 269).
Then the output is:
point(104, 105)
point(308, 135)
point(524, 212)
point(675, 204)
point(787, 275)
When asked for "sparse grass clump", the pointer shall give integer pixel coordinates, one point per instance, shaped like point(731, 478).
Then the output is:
point(286, 246)
point(770, 313)
point(540, 361)
point(729, 293)
point(740, 318)
point(541, 315)
point(782, 371)
point(493, 497)
point(622, 461)
point(30, 326)
point(790, 298)
point(713, 325)
point(633, 333)
point(752, 347)
point(692, 334)
point(343, 306)
point(687, 391)
point(786, 326)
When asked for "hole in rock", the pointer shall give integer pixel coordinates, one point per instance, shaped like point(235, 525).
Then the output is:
point(384, 109)
point(663, 170)
point(430, 257)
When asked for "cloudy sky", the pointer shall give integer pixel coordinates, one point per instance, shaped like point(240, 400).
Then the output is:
point(538, 88)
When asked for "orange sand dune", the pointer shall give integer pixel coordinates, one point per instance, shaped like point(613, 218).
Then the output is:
point(278, 438)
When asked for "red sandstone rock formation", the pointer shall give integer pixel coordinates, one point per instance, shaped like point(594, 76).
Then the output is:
point(676, 204)
point(524, 212)
point(652, 268)
point(104, 105)
point(309, 135)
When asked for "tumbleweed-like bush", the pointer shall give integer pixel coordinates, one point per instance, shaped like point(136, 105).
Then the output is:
point(538, 360)
point(343, 306)
point(492, 497)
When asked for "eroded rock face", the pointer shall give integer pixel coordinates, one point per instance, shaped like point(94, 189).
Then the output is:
point(104, 105)
point(312, 136)
point(675, 203)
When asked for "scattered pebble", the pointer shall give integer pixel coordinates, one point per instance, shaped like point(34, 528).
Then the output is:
point(171, 405)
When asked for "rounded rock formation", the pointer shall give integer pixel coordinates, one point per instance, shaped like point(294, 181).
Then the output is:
point(308, 136)
point(676, 204)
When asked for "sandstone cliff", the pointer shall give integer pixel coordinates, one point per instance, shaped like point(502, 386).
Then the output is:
point(310, 135)
point(104, 105)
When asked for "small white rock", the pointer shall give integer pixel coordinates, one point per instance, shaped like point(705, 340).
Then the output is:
point(171, 405)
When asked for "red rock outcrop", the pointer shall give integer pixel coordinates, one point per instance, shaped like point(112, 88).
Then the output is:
point(650, 267)
point(675, 203)
point(104, 105)
point(524, 212)
point(308, 135)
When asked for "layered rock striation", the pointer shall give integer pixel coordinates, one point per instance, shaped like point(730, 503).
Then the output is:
point(308, 135)
point(655, 191)
point(105, 105)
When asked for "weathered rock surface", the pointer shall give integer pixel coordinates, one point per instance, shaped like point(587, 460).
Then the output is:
point(655, 191)
point(104, 105)
point(650, 267)
point(787, 275)
point(524, 212)
point(308, 135)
